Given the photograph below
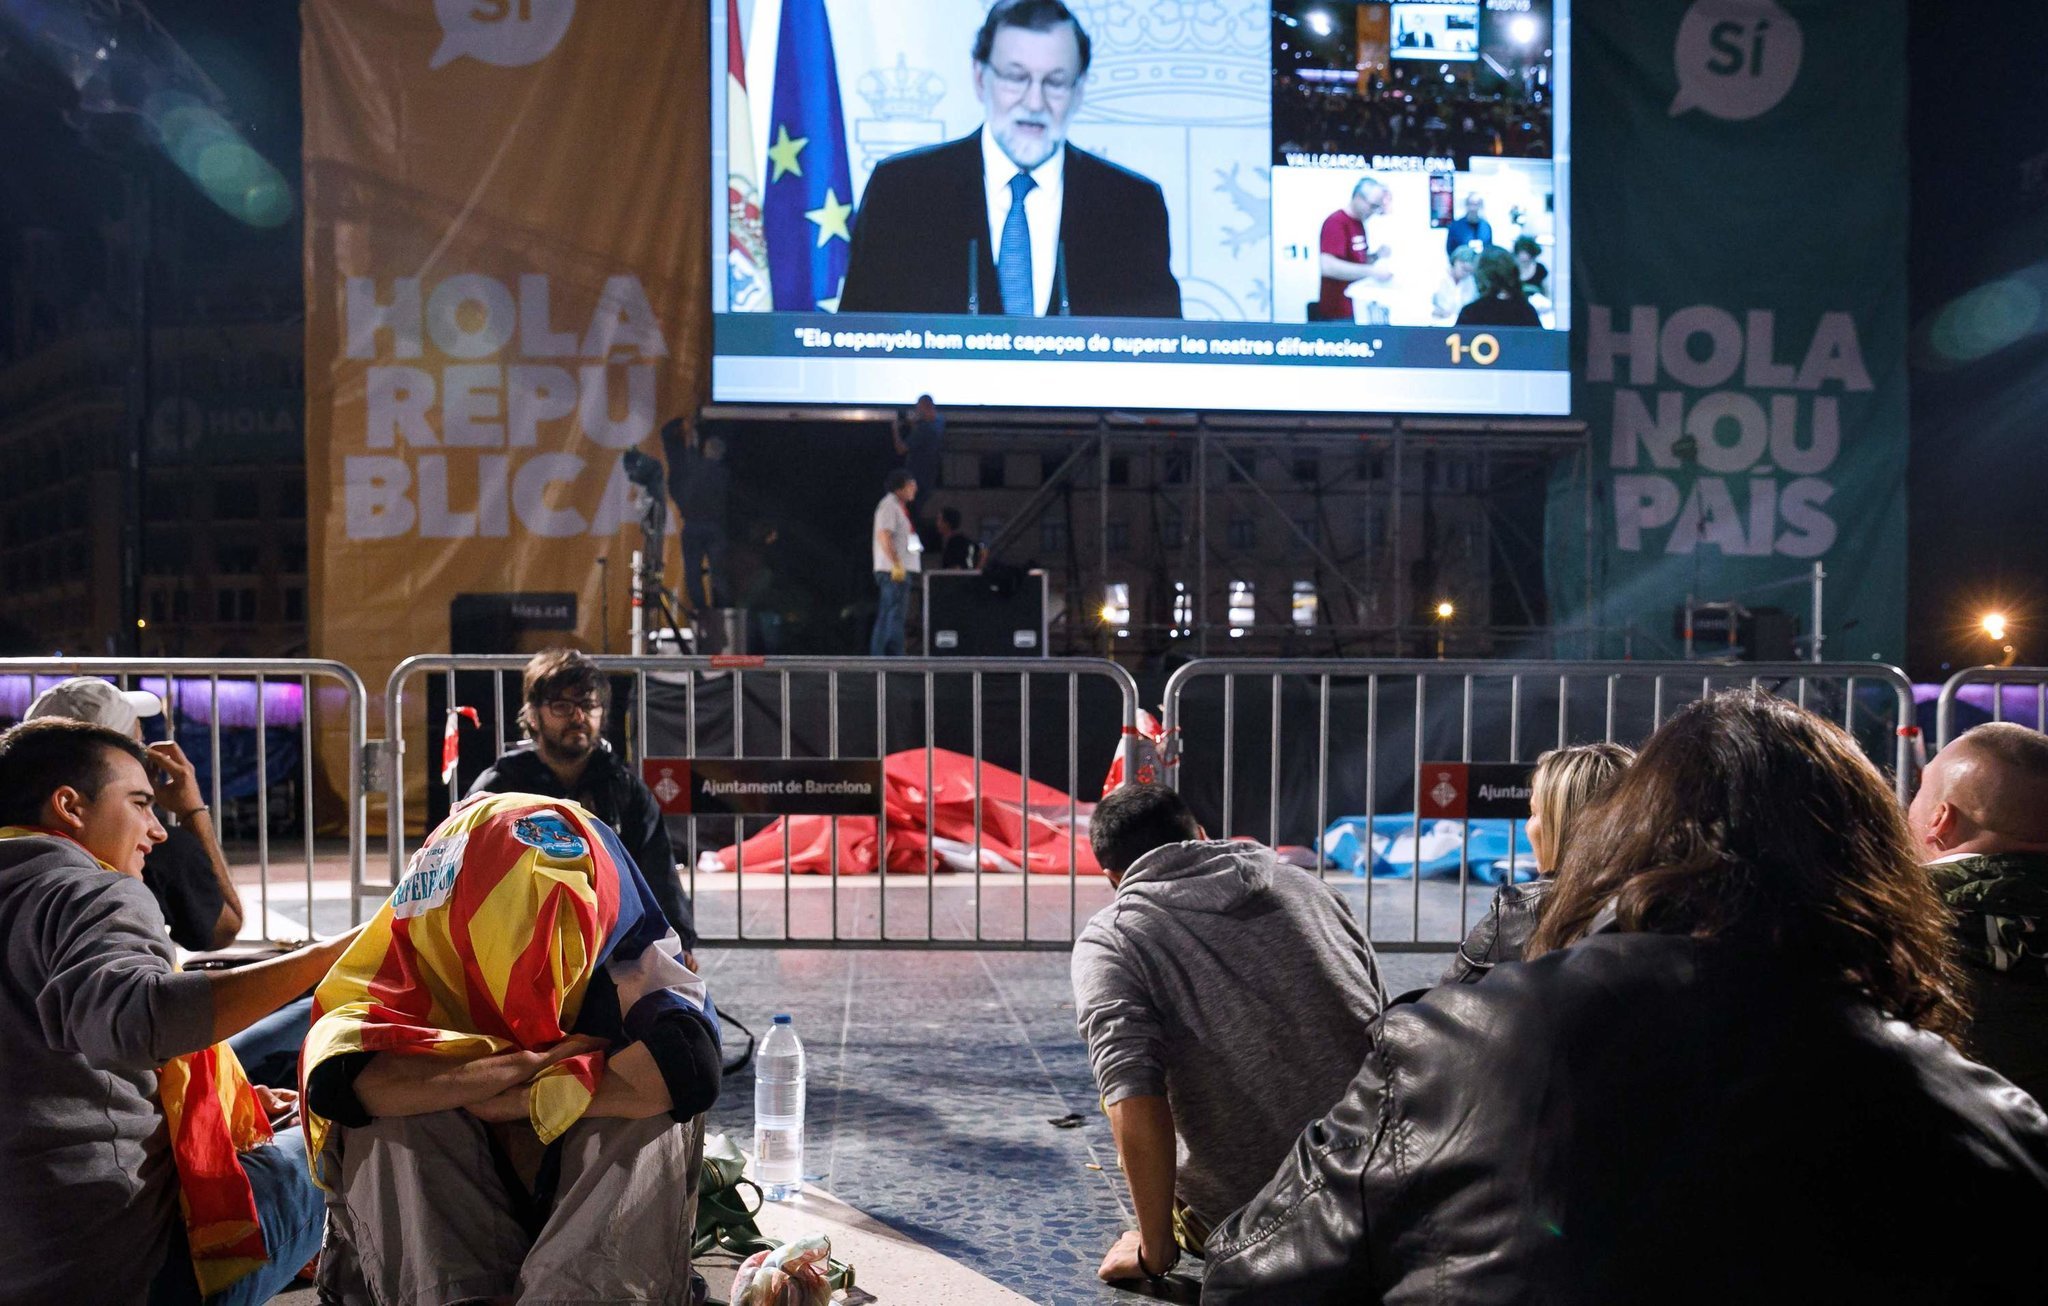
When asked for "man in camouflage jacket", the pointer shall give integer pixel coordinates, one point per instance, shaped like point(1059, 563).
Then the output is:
point(1982, 814)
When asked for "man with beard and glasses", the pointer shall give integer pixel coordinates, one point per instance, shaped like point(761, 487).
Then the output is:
point(1013, 219)
point(565, 755)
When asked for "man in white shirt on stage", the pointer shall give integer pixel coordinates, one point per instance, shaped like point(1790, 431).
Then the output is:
point(896, 553)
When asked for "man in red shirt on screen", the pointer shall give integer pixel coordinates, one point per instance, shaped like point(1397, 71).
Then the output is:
point(1345, 255)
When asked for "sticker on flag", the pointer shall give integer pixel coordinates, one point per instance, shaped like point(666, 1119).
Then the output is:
point(430, 879)
point(551, 834)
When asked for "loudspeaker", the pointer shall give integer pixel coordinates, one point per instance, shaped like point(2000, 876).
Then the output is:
point(997, 613)
point(522, 623)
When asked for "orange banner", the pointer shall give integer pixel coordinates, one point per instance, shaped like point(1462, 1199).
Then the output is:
point(506, 289)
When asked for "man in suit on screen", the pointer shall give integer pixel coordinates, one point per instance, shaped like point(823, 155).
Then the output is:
point(1013, 219)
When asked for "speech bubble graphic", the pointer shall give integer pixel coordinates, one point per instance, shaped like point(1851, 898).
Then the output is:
point(502, 33)
point(1736, 58)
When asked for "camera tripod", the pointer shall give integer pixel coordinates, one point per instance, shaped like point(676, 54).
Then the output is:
point(651, 594)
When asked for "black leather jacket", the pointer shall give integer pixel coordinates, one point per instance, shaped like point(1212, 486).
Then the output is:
point(1651, 1118)
point(1502, 934)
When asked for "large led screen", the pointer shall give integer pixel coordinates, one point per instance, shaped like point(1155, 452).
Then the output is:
point(1189, 205)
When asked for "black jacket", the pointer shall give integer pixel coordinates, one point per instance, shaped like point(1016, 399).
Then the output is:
point(1651, 1118)
point(1502, 935)
point(925, 209)
point(615, 796)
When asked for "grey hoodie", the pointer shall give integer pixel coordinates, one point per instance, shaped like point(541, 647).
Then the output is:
point(1241, 989)
point(90, 1006)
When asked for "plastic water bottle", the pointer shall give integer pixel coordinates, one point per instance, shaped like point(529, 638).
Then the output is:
point(779, 1113)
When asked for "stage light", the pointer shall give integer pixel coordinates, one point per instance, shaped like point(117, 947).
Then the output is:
point(1993, 625)
point(1319, 23)
point(1523, 30)
point(1446, 610)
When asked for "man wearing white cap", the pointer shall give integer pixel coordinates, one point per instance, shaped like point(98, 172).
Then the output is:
point(187, 872)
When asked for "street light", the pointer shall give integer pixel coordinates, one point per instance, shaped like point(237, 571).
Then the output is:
point(1445, 610)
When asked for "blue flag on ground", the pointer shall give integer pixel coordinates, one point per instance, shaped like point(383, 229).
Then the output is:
point(808, 212)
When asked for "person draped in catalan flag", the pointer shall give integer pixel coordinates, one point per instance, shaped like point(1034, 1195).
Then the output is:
point(503, 1070)
point(138, 1163)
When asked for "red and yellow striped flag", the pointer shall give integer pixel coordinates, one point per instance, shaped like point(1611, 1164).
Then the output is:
point(489, 945)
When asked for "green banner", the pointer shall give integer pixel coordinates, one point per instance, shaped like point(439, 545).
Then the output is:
point(1739, 222)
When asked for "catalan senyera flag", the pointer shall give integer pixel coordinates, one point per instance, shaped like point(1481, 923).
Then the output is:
point(213, 1117)
point(489, 944)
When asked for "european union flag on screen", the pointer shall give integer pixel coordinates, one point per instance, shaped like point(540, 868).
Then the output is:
point(808, 212)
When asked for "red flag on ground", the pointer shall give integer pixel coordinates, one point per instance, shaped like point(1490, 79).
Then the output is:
point(1023, 825)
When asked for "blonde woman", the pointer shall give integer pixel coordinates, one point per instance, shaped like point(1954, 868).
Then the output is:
point(1567, 782)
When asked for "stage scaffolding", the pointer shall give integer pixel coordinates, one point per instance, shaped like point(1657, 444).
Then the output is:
point(1383, 516)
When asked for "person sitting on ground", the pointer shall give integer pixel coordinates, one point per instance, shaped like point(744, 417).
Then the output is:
point(119, 1103)
point(1226, 998)
point(1724, 1074)
point(1982, 814)
point(503, 1072)
point(187, 873)
point(565, 755)
point(1567, 782)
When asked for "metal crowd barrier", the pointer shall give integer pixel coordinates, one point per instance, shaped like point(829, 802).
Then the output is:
point(204, 691)
point(1058, 722)
point(1361, 731)
point(2033, 703)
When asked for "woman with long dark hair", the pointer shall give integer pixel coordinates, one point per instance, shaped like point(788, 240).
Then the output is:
point(1723, 1075)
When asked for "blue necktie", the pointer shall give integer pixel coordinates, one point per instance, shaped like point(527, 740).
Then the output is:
point(1013, 262)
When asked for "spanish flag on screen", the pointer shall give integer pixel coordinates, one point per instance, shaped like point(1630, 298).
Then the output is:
point(489, 944)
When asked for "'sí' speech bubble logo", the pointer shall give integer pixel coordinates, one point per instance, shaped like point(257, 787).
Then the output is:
point(1736, 58)
point(502, 33)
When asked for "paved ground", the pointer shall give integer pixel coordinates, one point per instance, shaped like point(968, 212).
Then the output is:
point(933, 1080)
point(935, 1073)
